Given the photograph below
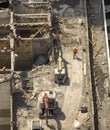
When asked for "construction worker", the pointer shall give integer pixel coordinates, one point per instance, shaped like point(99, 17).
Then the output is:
point(32, 36)
point(3, 68)
point(75, 51)
point(35, 92)
point(50, 57)
point(5, 49)
point(54, 39)
point(19, 37)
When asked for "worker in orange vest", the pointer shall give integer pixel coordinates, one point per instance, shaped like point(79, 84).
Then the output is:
point(75, 51)
point(5, 49)
point(54, 38)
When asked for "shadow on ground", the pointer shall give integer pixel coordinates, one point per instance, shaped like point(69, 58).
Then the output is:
point(58, 116)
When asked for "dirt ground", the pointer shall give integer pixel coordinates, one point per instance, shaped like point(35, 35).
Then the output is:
point(73, 33)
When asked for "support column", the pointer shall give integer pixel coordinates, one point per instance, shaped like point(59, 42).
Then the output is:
point(12, 42)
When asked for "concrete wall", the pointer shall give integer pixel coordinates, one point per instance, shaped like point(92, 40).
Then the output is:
point(5, 112)
point(4, 32)
point(24, 50)
point(5, 58)
point(4, 16)
point(21, 8)
point(4, 43)
point(30, 19)
point(28, 50)
point(40, 47)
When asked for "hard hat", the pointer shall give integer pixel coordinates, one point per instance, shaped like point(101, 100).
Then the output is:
point(19, 37)
point(53, 34)
point(45, 94)
point(5, 48)
point(76, 124)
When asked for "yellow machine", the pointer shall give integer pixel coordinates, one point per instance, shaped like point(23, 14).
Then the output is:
point(60, 71)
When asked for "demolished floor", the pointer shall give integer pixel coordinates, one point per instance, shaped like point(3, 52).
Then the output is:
point(70, 96)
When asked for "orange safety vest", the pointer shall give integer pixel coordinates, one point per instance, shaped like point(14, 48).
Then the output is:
point(75, 50)
point(54, 37)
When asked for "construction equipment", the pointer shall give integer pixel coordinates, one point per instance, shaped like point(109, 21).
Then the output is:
point(36, 125)
point(47, 104)
point(60, 71)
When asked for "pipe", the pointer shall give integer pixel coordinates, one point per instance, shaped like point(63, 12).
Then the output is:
point(106, 38)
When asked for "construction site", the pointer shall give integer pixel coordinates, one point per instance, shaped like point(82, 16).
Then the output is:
point(54, 64)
